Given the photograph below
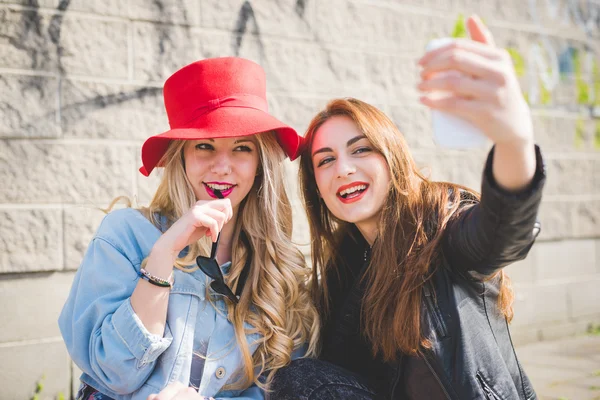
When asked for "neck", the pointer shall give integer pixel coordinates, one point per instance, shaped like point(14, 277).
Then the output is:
point(226, 240)
point(368, 229)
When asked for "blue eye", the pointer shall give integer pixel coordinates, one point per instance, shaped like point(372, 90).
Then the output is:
point(204, 146)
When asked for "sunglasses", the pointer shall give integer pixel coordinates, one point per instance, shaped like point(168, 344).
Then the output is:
point(211, 268)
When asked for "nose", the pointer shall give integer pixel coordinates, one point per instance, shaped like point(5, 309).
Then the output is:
point(221, 165)
point(345, 167)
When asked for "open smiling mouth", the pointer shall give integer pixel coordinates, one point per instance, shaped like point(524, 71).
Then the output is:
point(224, 188)
point(352, 193)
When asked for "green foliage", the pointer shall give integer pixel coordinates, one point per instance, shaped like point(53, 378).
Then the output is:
point(518, 61)
point(546, 96)
point(39, 386)
point(597, 140)
point(460, 29)
point(579, 133)
point(596, 83)
point(594, 330)
point(583, 89)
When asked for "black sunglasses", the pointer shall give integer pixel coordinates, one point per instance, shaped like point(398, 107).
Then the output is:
point(211, 268)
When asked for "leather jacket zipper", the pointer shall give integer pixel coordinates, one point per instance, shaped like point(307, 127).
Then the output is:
point(435, 312)
point(437, 378)
point(489, 393)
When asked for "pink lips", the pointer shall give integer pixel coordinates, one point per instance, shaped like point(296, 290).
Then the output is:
point(353, 197)
point(225, 192)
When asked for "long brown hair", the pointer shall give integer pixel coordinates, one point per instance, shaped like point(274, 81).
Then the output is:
point(411, 226)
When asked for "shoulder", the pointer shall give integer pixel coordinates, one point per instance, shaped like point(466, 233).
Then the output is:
point(127, 228)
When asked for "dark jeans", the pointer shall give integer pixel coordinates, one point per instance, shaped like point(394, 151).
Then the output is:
point(310, 379)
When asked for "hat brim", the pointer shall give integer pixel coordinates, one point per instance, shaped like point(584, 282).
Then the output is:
point(222, 122)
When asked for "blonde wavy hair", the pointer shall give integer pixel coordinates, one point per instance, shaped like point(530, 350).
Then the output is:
point(275, 299)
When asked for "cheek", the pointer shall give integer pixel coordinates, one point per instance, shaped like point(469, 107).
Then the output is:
point(321, 180)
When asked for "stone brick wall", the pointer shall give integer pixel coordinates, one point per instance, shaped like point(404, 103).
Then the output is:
point(80, 88)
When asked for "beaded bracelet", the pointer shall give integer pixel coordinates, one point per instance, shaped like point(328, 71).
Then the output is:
point(155, 280)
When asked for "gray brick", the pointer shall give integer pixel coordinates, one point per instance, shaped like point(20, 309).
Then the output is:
point(40, 297)
point(287, 18)
point(25, 365)
point(587, 219)
point(94, 47)
point(453, 166)
point(584, 297)
point(564, 259)
point(557, 331)
point(161, 49)
point(554, 133)
point(28, 106)
point(116, 8)
point(25, 42)
point(31, 240)
point(79, 227)
point(523, 272)
point(380, 27)
point(172, 11)
point(523, 335)
point(415, 124)
point(122, 112)
point(295, 111)
point(560, 176)
point(557, 219)
point(40, 3)
point(541, 304)
point(46, 172)
point(598, 255)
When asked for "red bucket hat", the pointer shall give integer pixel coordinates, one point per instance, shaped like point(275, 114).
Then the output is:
point(217, 98)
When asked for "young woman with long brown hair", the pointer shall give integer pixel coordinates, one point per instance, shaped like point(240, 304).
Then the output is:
point(412, 293)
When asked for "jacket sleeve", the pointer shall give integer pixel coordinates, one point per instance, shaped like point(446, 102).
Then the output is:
point(483, 237)
point(103, 335)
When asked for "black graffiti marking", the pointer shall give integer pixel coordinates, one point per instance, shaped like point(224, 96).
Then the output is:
point(32, 39)
point(54, 32)
point(300, 7)
point(245, 15)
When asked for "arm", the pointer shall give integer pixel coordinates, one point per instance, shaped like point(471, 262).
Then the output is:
point(498, 230)
point(103, 334)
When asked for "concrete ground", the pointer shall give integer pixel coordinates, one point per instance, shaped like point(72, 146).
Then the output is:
point(566, 369)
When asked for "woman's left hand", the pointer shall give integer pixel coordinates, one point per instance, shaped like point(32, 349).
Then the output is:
point(485, 91)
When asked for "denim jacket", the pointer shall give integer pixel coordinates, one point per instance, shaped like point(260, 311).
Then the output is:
point(109, 343)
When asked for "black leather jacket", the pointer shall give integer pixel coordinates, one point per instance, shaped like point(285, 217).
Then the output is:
point(472, 356)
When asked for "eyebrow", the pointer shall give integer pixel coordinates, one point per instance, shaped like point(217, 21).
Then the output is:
point(236, 142)
point(242, 141)
point(348, 144)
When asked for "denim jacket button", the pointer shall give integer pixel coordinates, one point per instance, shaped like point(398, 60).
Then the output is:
point(220, 373)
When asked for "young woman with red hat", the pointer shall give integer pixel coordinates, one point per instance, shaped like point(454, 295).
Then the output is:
point(413, 296)
point(202, 287)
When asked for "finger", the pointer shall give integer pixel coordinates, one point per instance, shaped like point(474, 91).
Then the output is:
point(479, 32)
point(459, 85)
point(152, 397)
point(461, 44)
point(223, 205)
point(471, 110)
point(209, 223)
point(218, 215)
point(466, 63)
point(169, 392)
